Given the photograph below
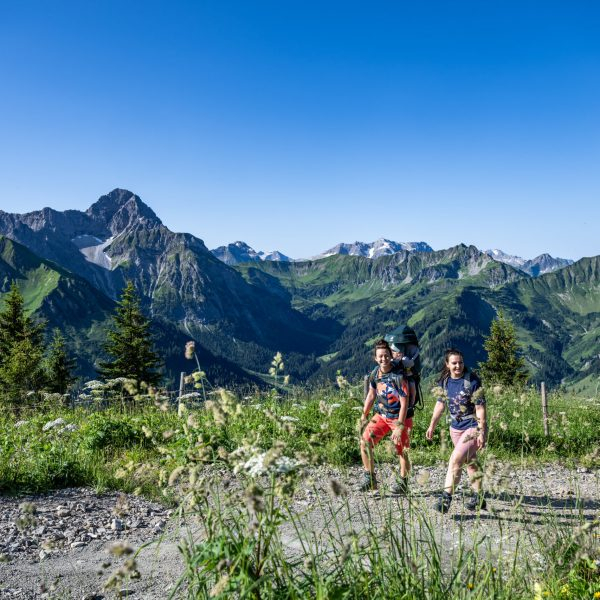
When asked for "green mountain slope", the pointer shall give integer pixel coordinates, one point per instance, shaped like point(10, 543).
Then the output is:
point(64, 300)
point(450, 297)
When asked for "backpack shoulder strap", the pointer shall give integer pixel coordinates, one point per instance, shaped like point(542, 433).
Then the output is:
point(467, 381)
point(373, 376)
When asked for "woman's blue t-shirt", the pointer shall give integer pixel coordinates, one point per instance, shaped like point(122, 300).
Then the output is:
point(461, 403)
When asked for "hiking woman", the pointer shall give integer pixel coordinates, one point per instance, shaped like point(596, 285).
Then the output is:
point(468, 429)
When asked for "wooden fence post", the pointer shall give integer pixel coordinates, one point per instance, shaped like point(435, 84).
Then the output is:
point(181, 383)
point(545, 409)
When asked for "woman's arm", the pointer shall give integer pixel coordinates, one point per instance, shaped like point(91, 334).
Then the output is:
point(435, 417)
point(482, 425)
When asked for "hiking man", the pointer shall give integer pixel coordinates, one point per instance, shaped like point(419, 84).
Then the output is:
point(390, 393)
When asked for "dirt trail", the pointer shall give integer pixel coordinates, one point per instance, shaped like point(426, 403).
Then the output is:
point(60, 548)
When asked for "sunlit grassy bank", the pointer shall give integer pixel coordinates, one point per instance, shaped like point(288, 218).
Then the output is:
point(254, 542)
point(105, 447)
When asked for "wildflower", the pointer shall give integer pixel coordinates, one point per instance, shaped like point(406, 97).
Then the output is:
point(28, 508)
point(438, 392)
point(337, 489)
point(596, 595)
point(190, 349)
point(254, 498)
point(94, 385)
point(175, 475)
point(120, 548)
point(423, 477)
point(478, 393)
point(470, 586)
point(503, 426)
point(52, 424)
point(288, 419)
point(220, 586)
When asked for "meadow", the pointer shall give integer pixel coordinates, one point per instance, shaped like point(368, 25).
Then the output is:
point(276, 445)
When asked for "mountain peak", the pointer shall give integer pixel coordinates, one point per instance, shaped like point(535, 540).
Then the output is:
point(119, 208)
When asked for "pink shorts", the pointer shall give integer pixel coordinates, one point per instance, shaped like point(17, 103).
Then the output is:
point(379, 426)
point(465, 442)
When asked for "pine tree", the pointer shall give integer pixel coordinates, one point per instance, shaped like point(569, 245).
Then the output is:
point(59, 365)
point(21, 348)
point(130, 343)
point(504, 364)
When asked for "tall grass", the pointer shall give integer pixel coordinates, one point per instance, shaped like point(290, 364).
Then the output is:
point(255, 541)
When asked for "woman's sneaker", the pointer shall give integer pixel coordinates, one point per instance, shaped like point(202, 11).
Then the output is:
point(443, 503)
point(476, 501)
point(368, 483)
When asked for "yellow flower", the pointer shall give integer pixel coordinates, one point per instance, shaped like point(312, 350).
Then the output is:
point(469, 586)
point(596, 595)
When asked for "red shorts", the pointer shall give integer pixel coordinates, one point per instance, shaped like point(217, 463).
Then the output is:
point(379, 426)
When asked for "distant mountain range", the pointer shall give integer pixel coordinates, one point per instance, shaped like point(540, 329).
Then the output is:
point(240, 252)
point(322, 314)
point(544, 263)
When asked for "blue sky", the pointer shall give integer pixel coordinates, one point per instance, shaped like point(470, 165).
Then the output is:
point(298, 125)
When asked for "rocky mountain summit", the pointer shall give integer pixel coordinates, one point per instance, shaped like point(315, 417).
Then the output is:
point(321, 313)
point(380, 247)
point(544, 263)
point(240, 252)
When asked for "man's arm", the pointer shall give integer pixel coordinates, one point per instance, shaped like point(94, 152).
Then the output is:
point(368, 404)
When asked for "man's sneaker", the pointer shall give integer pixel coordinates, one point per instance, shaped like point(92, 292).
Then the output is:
point(400, 486)
point(476, 501)
point(368, 483)
point(443, 503)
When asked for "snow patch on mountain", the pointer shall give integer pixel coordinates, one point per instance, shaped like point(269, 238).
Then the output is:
point(93, 250)
point(544, 263)
point(380, 247)
point(239, 252)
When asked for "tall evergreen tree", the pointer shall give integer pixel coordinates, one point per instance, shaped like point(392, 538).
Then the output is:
point(504, 364)
point(21, 348)
point(59, 365)
point(130, 344)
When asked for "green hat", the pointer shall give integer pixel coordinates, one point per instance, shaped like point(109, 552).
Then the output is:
point(401, 335)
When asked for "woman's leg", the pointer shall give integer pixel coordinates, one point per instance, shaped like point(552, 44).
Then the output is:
point(465, 448)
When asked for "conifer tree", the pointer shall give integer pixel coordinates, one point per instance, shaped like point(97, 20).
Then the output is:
point(21, 348)
point(130, 344)
point(504, 364)
point(59, 365)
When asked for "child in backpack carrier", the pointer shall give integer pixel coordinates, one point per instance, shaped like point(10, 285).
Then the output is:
point(391, 393)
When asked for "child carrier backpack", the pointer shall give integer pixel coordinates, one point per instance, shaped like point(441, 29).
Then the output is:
point(404, 339)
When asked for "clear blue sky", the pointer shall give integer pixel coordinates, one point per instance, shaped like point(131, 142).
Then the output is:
point(295, 125)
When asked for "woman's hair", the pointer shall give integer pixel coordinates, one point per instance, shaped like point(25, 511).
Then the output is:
point(382, 345)
point(445, 372)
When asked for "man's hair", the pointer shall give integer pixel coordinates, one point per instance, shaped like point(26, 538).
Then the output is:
point(382, 345)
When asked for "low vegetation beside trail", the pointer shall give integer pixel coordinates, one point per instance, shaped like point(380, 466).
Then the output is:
point(165, 449)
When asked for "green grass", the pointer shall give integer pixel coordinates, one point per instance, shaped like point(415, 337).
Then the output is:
point(322, 424)
point(161, 450)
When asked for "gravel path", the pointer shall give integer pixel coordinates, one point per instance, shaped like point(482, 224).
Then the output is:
point(57, 545)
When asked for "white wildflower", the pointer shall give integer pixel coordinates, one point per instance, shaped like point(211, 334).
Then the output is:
point(93, 385)
point(52, 424)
